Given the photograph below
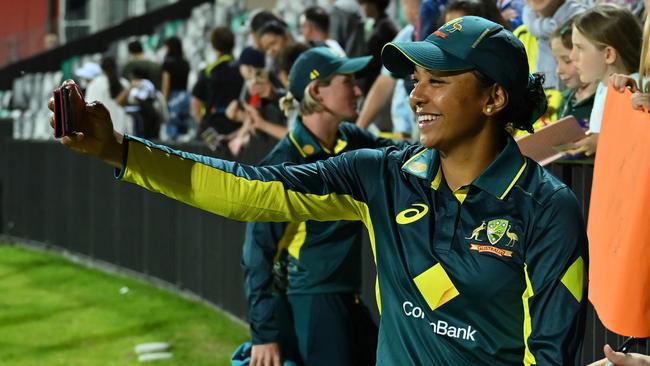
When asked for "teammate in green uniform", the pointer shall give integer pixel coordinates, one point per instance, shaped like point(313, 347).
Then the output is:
point(481, 254)
point(322, 259)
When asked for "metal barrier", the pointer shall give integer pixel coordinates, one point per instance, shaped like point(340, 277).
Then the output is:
point(69, 201)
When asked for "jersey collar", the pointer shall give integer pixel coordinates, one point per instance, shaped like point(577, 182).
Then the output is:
point(497, 179)
point(307, 144)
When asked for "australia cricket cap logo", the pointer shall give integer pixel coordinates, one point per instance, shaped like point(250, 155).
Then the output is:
point(496, 229)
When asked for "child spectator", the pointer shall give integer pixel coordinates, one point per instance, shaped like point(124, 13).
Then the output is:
point(542, 17)
point(578, 98)
point(606, 40)
point(641, 97)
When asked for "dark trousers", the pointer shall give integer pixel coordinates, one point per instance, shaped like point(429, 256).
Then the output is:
point(334, 329)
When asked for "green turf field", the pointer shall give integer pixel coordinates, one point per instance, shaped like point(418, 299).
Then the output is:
point(54, 312)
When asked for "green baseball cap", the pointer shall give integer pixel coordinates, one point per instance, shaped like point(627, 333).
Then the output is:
point(465, 43)
point(318, 63)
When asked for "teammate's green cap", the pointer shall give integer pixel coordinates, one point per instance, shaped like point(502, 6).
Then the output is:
point(318, 63)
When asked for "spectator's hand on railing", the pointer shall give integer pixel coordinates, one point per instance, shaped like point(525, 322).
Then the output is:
point(622, 359)
point(94, 134)
point(622, 81)
point(641, 101)
point(265, 355)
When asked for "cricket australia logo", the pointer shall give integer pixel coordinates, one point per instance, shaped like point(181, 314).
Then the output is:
point(495, 230)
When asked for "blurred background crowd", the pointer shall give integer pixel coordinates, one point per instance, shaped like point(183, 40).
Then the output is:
point(216, 76)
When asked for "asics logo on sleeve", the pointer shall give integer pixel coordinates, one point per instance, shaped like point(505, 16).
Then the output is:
point(412, 214)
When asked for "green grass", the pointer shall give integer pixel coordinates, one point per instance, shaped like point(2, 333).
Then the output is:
point(54, 312)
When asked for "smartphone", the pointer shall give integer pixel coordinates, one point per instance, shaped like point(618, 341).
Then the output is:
point(63, 121)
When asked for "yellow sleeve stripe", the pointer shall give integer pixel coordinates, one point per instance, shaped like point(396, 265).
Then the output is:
point(287, 236)
point(367, 221)
point(574, 278)
point(228, 195)
point(298, 239)
point(529, 358)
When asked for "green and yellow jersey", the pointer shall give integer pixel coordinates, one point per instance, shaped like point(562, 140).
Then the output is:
point(323, 257)
point(490, 274)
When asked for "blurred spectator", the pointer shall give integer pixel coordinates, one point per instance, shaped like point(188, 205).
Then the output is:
point(143, 105)
point(383, 31)
point(258, 19)
point(389, 89)
point(218, 84)
point(483, 8)
point(542, 17)
point(578, 98)
point(346, 26)
point(512, 11)
point(249, 60)
point(257, 107)
point(111, 89)
point(606, 41)
point(430, 13)
point(286, 58)
point(641, 91)
point(175, 70)
point(86, 73)
point(273, 36)
point(137, 59)
point(314, 26)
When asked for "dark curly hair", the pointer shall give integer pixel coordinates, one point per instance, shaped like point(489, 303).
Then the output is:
point(522, 110)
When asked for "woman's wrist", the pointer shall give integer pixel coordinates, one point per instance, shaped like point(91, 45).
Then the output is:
point(113, 153)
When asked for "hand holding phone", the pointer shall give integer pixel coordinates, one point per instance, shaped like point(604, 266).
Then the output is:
point(85, 127)
point(65, 115)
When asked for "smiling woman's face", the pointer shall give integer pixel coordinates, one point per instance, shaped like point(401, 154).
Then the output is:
point(448, 107)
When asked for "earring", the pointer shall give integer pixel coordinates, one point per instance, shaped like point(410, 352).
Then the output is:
point(488, 109)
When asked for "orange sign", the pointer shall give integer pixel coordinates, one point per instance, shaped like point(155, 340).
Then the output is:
point(619, 219)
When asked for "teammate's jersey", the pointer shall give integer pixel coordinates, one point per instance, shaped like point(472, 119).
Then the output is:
point(323, 257)
point(491, 274)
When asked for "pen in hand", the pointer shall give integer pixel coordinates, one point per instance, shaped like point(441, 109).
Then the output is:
point(629, 343)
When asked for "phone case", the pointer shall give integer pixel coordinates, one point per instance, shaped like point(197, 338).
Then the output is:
point(58, 113)
point(63, 124)
point(67, 123)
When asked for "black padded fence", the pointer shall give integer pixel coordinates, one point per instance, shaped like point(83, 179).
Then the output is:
point(72, 202)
